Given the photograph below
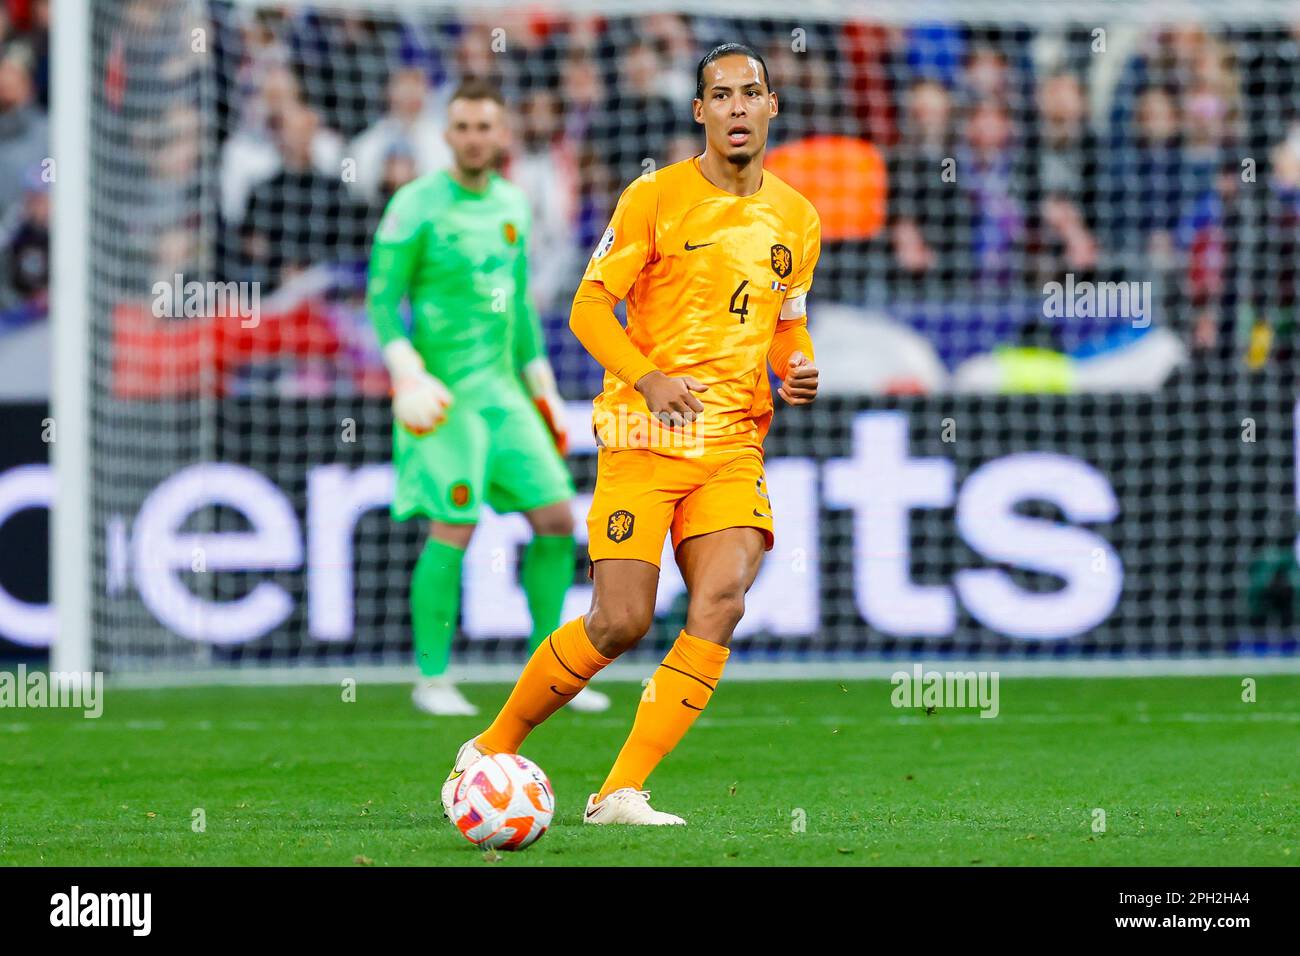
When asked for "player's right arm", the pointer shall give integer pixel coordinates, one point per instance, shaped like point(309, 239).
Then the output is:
point(420, 400)
point(623, 251)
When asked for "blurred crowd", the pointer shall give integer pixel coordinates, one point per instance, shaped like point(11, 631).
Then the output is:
point(25, 172)
point(958, 168)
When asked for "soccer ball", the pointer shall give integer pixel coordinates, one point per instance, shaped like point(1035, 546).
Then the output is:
point(503, 802)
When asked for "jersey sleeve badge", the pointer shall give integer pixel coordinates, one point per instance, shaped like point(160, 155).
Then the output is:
point(782, 260)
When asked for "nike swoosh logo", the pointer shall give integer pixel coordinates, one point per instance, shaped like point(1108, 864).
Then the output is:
point(593, 811)
point(560, 692)
point(701, 245)
point(686, 703)
point(761, 514)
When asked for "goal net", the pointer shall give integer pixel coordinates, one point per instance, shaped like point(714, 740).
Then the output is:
point(1055, 318)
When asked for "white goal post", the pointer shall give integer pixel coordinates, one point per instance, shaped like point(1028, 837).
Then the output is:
point(71, 577)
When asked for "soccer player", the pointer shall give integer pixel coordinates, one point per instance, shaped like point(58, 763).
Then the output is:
point(715, 258)
point(465, 431)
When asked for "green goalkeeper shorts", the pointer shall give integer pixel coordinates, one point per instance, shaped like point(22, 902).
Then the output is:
point(497, 450)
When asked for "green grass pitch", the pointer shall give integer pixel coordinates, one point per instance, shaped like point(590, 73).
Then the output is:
point(801, 773)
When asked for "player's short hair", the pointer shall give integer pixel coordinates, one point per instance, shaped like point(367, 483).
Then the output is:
point(475, 89)
point(728, 49)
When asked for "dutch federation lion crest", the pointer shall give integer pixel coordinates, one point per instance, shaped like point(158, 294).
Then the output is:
point(782, 260)
point(620, 526)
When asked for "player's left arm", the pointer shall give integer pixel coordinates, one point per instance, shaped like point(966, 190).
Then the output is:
point(530, 358)
point(791, 352)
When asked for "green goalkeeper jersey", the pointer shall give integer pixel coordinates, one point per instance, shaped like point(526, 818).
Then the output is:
point(461, 257)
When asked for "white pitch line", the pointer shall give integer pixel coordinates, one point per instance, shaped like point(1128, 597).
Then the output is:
point(636, 671)
point(969, 716)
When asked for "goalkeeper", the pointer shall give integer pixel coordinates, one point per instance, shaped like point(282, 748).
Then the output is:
point(465, 431)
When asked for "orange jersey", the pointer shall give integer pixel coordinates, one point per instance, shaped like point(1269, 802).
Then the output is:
point(707, 276)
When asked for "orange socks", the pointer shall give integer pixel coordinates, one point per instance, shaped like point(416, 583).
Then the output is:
point(558, 669)
point(678, 691)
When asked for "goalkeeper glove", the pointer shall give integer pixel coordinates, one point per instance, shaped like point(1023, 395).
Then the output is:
point(420, 401)
point(540, 381)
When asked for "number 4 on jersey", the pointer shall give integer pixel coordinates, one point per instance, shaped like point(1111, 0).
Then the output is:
point(741, 310)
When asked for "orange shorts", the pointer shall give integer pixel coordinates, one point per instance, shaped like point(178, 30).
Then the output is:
point(641, 495)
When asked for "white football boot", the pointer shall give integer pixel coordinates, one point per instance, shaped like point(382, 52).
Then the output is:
point(589, 701)
point(465, 758)
point(628, 806)
point(440, 697)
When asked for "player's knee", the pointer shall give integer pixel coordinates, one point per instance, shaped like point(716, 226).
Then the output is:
point(456, 535)
point(718, 612)
point(613, 630)
point(553, 521)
